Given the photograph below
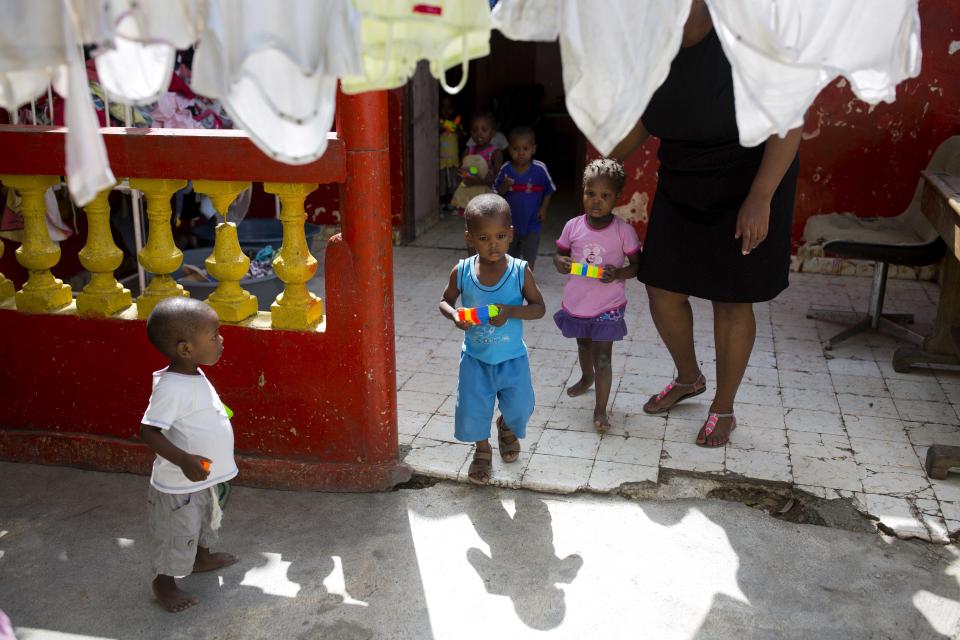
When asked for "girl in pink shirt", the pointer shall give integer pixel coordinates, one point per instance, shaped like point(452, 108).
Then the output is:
point(593, 308)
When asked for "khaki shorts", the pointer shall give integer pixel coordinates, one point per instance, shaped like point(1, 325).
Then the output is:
point(178, 524)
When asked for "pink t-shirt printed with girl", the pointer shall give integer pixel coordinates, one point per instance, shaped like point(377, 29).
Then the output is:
point(588, 297)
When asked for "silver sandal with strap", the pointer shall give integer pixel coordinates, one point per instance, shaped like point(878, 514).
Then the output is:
point(710, 425)
point(697, 387)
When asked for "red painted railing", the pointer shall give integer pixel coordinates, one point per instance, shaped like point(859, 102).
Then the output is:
point(313, 410)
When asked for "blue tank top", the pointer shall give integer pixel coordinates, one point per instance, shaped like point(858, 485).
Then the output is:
point(484, 342)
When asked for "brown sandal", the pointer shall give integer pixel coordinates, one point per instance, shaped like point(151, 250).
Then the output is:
point(481, 467)
point(508, 443)
point(697, 387)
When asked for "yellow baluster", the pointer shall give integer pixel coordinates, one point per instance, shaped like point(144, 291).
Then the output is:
point(6, 286)
point(227, 263)
point(160, 256)
point(38, 254)
point(103, 296)
point(296, 308)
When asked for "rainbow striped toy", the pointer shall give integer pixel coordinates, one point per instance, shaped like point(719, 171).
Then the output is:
point(478, 315)
point(586, 270)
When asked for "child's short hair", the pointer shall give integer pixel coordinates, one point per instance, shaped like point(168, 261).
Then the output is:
point(486, 205)
point(607, 168)
point(484, 115)
point(522, 132)
point(176, 320)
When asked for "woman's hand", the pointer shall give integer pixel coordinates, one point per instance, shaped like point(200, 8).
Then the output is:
point(753, 221)
point(562, 263)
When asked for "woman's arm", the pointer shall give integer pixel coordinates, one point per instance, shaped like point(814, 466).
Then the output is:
point(753, 220)
point(637, 136)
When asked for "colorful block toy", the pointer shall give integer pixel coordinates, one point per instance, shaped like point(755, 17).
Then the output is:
point(478, 315)
point(474, 171)
point(206, 465)
point(586, 270)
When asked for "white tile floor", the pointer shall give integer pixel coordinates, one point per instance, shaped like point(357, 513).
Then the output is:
point(834, 423)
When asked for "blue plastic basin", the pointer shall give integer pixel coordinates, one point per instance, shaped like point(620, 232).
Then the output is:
point(266, 289)
point(257, 232)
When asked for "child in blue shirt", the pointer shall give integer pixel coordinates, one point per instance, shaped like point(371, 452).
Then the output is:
point(493, 360)
point(527, 186)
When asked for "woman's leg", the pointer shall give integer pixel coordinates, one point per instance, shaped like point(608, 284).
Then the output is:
point(584, 351)
point(673, 317)
point(734, 331)
point(603, 375)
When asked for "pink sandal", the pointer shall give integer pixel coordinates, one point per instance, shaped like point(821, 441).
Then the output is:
point(711, 425)
point(697, 387)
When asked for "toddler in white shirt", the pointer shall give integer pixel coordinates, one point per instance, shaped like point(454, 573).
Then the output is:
point(188, 427)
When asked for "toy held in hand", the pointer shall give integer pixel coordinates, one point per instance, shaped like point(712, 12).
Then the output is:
point(478, 315)
point(450, 126)
point(586, 270)
point(474, 171)
point(206, 465)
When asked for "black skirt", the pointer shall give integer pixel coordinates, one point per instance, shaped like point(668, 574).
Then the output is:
point(704, 177)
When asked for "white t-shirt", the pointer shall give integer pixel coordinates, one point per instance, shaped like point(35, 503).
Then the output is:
point(193, 418)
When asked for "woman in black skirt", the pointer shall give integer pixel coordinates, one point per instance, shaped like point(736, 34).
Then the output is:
point(720, 224)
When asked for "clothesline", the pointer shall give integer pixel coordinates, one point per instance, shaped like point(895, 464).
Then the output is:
point(275, 67)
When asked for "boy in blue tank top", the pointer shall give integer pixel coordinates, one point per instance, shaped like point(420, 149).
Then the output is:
point(493, 360)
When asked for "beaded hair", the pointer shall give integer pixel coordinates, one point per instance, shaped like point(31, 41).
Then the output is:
point(607, 168)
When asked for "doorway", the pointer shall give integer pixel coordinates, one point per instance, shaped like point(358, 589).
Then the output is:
point(522, 84)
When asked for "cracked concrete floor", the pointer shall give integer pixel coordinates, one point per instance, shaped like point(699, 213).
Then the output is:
point(834, 424)
point(459, 562)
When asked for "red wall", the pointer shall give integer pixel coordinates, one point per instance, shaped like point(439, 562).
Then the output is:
point(859, 158)
point(323, 205)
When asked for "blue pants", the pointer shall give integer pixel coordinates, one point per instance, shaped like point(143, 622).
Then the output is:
point(480, 385)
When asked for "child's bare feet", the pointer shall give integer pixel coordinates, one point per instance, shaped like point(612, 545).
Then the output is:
point(580, 388)
point(207, 561)
point(170, 596)
point(600, 421)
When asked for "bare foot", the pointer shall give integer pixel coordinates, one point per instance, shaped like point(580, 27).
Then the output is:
point(580, 388)
point(207, 561)
point(170, 596)
point(600, 421)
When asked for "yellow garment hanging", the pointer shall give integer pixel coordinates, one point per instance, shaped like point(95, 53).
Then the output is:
point(397, 34)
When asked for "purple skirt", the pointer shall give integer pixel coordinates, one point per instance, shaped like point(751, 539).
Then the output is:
point(609, 326)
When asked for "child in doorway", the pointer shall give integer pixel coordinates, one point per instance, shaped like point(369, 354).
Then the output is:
point(481, 161)
point(450, 132)
point(527, 186)
point(188, 427)
point(493, 359)
point(593, 308)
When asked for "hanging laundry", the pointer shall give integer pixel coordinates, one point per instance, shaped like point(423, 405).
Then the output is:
point(397, 34)
point(613, 60)
point(42, 42)
point(782, 53)
point(275, 65)
point(138, 66)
